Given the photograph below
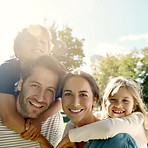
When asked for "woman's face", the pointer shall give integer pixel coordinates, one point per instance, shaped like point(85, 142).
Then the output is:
point(77, 100)
point(120, 104)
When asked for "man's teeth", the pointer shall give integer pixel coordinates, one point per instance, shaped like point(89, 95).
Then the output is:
point(75, 111)
point(37, 105)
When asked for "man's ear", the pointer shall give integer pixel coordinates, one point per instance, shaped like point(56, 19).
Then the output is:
point(19, 86)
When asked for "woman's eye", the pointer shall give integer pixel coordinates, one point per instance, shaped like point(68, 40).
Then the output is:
point(83, 95)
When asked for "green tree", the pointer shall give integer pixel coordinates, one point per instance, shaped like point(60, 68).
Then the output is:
point(133, 65)
point(128, 65)
point(144, 74)
point(116, 65)
point(67, 49)
point(104, 68)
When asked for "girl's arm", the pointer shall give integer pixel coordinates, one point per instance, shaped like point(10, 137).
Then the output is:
point(107, 128)
point(9, 115)
point(68, 127)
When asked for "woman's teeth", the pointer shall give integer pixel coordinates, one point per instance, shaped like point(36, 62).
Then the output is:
point(75, 111)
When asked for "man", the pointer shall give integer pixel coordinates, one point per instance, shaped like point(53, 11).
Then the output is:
point(41, 80)
point(30, 43)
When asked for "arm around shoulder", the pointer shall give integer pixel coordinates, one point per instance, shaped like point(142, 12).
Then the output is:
point(107, 128)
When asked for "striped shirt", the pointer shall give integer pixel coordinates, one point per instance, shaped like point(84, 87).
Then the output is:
point(52, 129)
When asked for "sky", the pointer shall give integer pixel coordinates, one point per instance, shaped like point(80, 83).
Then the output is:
point(108, 26)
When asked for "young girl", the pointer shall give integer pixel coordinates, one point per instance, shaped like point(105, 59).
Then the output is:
point(123, 106)
point(80, 93)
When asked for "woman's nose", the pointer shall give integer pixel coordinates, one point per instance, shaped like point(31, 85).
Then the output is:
point(76, 101)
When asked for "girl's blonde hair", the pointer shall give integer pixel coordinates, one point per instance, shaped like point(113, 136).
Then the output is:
point(134, 89)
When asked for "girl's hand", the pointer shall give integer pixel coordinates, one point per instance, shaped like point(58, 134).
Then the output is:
point(66, 143)
point(33, 129)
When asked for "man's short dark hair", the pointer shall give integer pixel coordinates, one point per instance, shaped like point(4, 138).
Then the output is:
point(48, 62)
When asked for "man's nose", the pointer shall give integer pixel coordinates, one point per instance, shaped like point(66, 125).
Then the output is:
point(40, 96)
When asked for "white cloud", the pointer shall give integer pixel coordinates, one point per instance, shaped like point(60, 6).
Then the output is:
point(132, 37)
point(104, 48)
point(87, 67)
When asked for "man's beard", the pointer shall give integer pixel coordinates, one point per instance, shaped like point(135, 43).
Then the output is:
point(24, 107)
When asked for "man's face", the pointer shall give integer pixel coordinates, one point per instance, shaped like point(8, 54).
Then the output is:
point(38, 92)
point(32, 45)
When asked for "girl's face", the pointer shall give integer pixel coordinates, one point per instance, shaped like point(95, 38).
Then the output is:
point(120, 104)
point(77, 100)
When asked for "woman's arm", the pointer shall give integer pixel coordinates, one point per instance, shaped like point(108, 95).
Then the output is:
point(43, 142)
point(107, 128)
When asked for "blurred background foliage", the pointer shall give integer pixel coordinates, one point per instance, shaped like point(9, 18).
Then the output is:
point(69, 51)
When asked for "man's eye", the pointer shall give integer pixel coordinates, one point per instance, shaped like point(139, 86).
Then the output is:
point(51, 91)
point(67, 94)
point(34, 85)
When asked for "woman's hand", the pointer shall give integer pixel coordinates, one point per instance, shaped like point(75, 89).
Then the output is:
point(43, 142)
point(66, 143)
